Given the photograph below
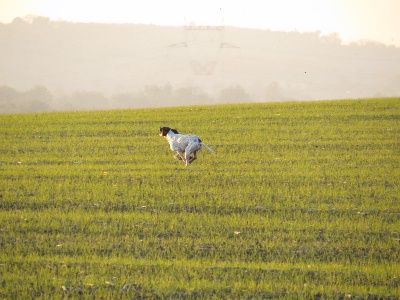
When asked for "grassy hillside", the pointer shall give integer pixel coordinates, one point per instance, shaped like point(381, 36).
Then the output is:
point(301, 201)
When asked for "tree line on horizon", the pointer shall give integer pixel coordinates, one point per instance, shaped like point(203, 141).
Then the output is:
point(40, 99)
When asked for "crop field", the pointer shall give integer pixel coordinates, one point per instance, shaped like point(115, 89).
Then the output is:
point(301, 201)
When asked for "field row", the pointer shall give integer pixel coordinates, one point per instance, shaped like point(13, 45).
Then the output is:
point(196, 278)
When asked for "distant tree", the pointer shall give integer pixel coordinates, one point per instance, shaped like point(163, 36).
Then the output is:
point(7, 93)
point(202, 97)
point(331, 39)
point(182, 96)
point(18, 22)
point(234, 94)
point(36, 99)
point(156, 95)
point(37, 20)
point(39, 93)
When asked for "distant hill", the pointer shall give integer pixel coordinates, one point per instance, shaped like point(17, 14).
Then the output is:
point(128, 65)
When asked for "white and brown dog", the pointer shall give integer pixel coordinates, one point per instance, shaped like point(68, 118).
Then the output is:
point(183, 144)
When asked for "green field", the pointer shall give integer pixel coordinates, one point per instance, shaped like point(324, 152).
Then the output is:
point(302, 200)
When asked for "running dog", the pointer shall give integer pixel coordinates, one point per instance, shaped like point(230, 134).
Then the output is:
point(183, 144)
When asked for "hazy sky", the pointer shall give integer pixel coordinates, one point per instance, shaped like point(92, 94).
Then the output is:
point(376, 20)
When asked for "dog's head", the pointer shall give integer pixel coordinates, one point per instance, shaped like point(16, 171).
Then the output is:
point(164, 131)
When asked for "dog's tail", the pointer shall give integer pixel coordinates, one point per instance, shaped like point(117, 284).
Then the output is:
point(208, 148)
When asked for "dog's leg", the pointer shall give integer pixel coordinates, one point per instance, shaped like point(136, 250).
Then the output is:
point(193, 148)
point(182, 155)
point(177, 156)
point(187, 157)
point(192, 159)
